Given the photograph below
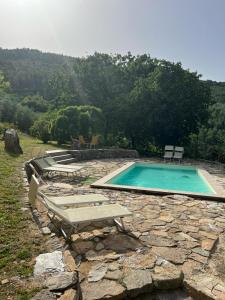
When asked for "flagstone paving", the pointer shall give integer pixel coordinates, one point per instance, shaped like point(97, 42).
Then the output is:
point(172, 240)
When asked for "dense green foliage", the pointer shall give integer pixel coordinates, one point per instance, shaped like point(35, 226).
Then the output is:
point(131, 101)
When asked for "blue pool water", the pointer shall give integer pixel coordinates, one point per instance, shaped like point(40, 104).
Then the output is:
point(166, 177)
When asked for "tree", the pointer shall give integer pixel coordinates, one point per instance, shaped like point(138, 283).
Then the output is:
point(7, 109)
point(24, 118)
point(72, 121)
point(36, 103)
point(166, 106)
point(4, 85)
point(41, 128)
point(7, 103)
point(209, 142)
point(94, 118)
point(65, 124)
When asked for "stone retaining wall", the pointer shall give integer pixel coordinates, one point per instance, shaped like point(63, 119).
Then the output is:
point(89, 154)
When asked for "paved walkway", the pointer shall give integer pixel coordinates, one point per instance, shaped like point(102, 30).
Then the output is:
point(173, 240)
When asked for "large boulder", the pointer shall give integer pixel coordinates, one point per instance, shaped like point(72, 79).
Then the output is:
point(49, 263)
point(12, 143)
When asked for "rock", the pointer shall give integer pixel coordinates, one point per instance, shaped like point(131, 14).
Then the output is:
point(206, 221)
point(49, 263)
point(188, 228)
point(199, 258)
point(83, 246)
point(114, 275)
point(104, 289)
point(121, 243)
point(190, 266)
point(208, 244)
point(69, 261)
point(24, 209)
point(159, 233)
point(97, 272)
point(167, 219)
point(98, 233)
point(44, 295)
point(114, 266)
point(201, 251)
point(157, 240)
point(45, 230)
point(208, 235)
point(187, 237)
point(219, 291)
point(62, 185)
point(174, 255)
point(103, 255)
point(136, 234)
point(12, 143)
point(188, 244)
point(86, 236)
point(179, 197)
point(106, 230)
point(147, 225)
point(61, 281)
point(75, 238)
point(219, 219)
point(167, 276)
point(199, 290)
point(4, 281)
point(99, 246)
point(139, 261)
point(138, 282)
point(68, 295)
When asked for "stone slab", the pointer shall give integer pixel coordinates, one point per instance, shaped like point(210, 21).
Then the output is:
point(138, 282)
point(49, 263)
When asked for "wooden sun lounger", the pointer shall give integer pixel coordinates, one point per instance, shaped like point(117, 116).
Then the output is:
point(76, 216)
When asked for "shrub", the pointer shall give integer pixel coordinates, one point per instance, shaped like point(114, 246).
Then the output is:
point(25, 117)
point(41, 129)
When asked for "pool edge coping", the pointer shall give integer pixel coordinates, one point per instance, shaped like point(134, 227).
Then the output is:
point(207, 177)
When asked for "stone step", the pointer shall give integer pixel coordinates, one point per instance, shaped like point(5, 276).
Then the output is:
point(67, 161)
point(58, 158)
point(54, 153)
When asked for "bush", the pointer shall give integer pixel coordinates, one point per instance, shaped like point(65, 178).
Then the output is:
point(76, 120)
point(208, 144)
point(24, 118)
point(36, 103)
point(41, 129)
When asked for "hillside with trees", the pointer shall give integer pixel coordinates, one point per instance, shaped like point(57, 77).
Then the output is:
point(131, 101)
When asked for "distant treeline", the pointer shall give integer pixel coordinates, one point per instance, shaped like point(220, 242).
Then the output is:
point(131, 101)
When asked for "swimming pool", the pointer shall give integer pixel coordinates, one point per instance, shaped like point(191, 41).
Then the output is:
point(162, 179)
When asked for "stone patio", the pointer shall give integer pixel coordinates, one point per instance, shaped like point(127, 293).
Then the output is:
point(173, 241)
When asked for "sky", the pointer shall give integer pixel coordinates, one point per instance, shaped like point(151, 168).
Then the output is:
point(188, 31)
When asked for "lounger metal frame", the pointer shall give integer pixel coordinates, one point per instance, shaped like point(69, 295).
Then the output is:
point(74, 226)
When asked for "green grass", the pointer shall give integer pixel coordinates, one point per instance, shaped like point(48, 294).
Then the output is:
point(20, 241)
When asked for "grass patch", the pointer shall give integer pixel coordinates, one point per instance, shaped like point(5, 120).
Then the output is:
point(24, 254)
point(25, 295)
point(20, 241)
point(89, 180)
